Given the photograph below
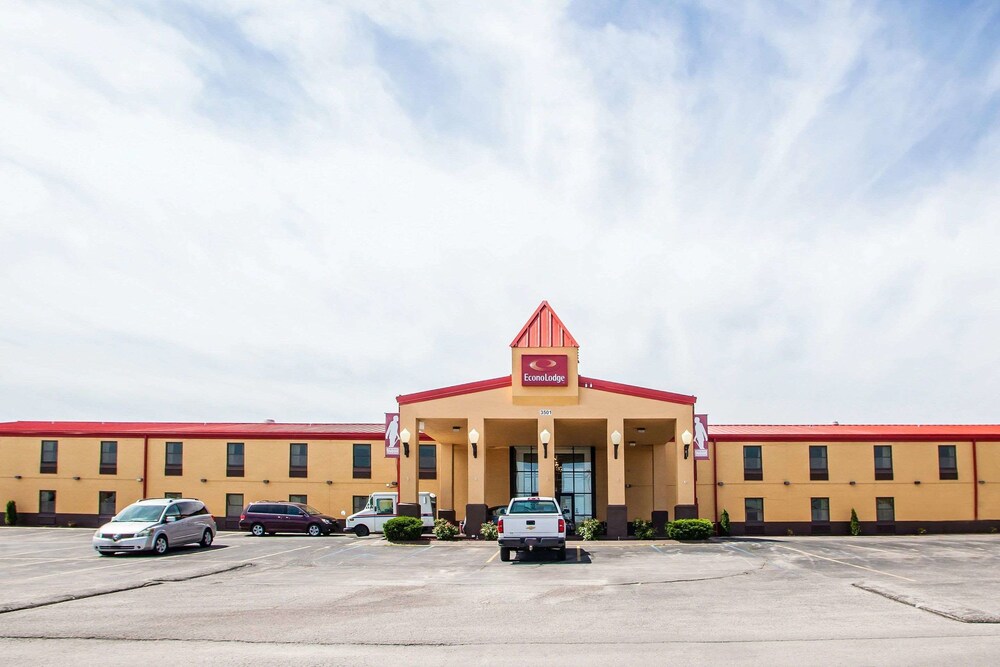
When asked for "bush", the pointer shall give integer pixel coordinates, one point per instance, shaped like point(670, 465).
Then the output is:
point(488, 531)
point(445, 530)
point(643, 529)
point(403, 528)
point(689, 529)
point(724, 526)
point(855, 524)
point(589, 529)
point(10, 516)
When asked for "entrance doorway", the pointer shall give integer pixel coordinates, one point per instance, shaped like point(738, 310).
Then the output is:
point(575, 482)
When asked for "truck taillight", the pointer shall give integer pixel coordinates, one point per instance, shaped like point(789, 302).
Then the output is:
point(562, 525)
point(500, 526)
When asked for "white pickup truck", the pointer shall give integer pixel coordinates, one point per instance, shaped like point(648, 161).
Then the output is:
point(531, 524)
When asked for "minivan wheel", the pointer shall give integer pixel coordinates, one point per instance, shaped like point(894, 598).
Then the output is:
point(206, 539)
point(160, 545)
point(257, 530)
point(361, 530)
point(314, 530)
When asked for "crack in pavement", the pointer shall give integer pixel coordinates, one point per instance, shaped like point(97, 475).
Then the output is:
point(7, 609)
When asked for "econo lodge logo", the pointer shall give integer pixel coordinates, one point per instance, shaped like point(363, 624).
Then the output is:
point(541, 370)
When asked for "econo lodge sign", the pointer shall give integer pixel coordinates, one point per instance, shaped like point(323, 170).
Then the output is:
point(544, 370)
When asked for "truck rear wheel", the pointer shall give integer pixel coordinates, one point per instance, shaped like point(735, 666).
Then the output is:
point(505, 554)
point(561, 554)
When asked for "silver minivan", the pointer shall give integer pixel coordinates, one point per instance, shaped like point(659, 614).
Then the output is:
point(156, 524)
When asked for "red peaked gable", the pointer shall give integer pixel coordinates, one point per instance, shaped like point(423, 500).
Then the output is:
point(544, 329)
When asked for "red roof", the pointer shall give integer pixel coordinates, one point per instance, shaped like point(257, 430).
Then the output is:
point(454, 390)
point(505, 381)
point(256, 430)
point(632, 390)
point(544, 329)
point(851, 432)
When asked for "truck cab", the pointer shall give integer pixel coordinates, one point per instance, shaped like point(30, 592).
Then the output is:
point(383, 506)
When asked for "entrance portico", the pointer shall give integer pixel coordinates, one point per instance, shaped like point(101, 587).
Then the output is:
point(605, 450)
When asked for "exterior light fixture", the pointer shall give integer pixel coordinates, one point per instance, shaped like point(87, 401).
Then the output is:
point(916, 481)
point(545, 436)
point(616, 440)
point(631, 443)
point(404, 436)
point(686, 438)
point(266, 481)
point(456, 428)
point(787, 482)
point(721, 484)
point(138, 479)
point(203, 480)
point(76, 478)
point(852, 482)
point(19, 477)
point(474, 441)
point(641, 429)
point(329, 481)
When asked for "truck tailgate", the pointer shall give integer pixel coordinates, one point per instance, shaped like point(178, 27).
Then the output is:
point(527, 525)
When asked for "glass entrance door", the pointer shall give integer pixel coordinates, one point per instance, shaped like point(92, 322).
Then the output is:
point(574, 481)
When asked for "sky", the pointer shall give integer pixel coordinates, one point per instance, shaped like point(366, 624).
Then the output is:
point(239, 211)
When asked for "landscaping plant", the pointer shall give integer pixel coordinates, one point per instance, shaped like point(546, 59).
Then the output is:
point(589, 529)
point(488, 531)
point(855, 524)
point(403, 529)
point(643, 529)
point(689, 529)
point(10, 516)
point(445, 530)
point(724, 523)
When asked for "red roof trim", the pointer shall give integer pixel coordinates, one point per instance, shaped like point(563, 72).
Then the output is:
point(207, 431)
point(544, 329)
point(632, 390)
point(853, 433)
point(454, 390)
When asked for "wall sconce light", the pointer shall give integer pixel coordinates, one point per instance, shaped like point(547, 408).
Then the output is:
point(852, 482)
point(628, 486)
point(721, 484)
point(616, 440)
point(686, 438)
point(404, 435)
point(138, 479)
point(982, 481)
point(266, 481)
point(545, 436)
point(76, 477)
point(787, 482)
point(474, 441)
point(641, 429)
point(329, 481)
point(456, 429)
point(203, 479)
point(19, 477)
point(631, 443)
point(916, 481)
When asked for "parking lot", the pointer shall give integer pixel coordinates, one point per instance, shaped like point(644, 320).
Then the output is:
point(347, 600)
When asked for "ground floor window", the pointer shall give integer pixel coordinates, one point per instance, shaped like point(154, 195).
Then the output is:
point(575, 481)
point(754, 508)
point(524, 471)
point(46, 502)
point(234, 504)
point(820, 510)
point(885, 510)
point(172, 494)
point(107, 502)
point(298, 498)
point(359, 503)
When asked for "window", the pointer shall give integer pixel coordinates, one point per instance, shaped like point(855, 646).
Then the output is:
point(883, 461)
point(298, 459)
point(754, 508)
point(753, 464)
point(428, 461)
point(818, 462)
point(234, 504)
point(384, 506)
point(298, 498)
point(821, 510)
point(359, 503)
point(50, 456)
point(174, 459)
point(234, 459)
point(107, 502)
point(46, 502)
point(947, 462)
point(109, 457)
point(362, 461)
point(885, 510)
point(172, 494)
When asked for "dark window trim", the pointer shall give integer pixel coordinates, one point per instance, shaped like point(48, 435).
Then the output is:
point(755, 522)
point(427, 473)
point(819, 474)
point(753, 474)
point(361, 472)
point(883, 474)
point(885, 522)
point(298, 470)
point(172, 469)
point(49, 467)
point(236, 470)
point(108, 468)
point(55, 497)
point(948, 472)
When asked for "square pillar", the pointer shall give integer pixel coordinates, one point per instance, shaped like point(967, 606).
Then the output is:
point(409, 485)
point(475, 508)
point(617, 513)
point(685, 507)
point(446, 477)
point(546, 458)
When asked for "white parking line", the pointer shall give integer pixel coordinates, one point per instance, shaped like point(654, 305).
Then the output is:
point(277, 553)
point(840, 562)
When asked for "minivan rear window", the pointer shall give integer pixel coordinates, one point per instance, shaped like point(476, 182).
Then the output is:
point(533, 507)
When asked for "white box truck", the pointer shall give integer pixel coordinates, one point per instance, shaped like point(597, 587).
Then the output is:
point(383, 506)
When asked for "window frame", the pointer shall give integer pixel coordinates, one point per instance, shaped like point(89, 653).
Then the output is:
point(298, 469)
point(746, 514)
point(102, 497)
point(426, 472)
point(173, 469)
point(109, 463)
point(892, 508)
point(883, 473)
point(753, 474)
point(354, 503)
point(41, 509)
point(294, 498)
point(234, 469)
point(812, 510)
point(819, 474)
point(229, 505)
point(361, 472)
point(49, 467)
point(947, 472)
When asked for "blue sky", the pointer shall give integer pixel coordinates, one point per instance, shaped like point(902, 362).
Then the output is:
point(242, 211)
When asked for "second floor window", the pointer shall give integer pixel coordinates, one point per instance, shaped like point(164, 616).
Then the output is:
point(298, 459)
point(174, 461)
point(883, 461)
point(753, 463)
point(50, 456)
point(818, 463)
point(362, 461)
point(234, 459)
point(947, 462)
point(428, 461)
point(109, 457)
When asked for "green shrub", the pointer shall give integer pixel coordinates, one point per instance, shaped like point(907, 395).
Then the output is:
point(855, 524)
point(488, 531)
point(589, 529)
point(643, 529)
point(445, 530)
point(724, 526)
point(689, 529)
point(403, 528)
point(10, 516)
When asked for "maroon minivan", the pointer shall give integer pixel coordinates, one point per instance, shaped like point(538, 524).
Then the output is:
point(267, 517)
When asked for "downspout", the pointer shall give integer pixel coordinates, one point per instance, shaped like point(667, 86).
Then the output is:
point(975, 483)
point(715, 478)
point(145, 464)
